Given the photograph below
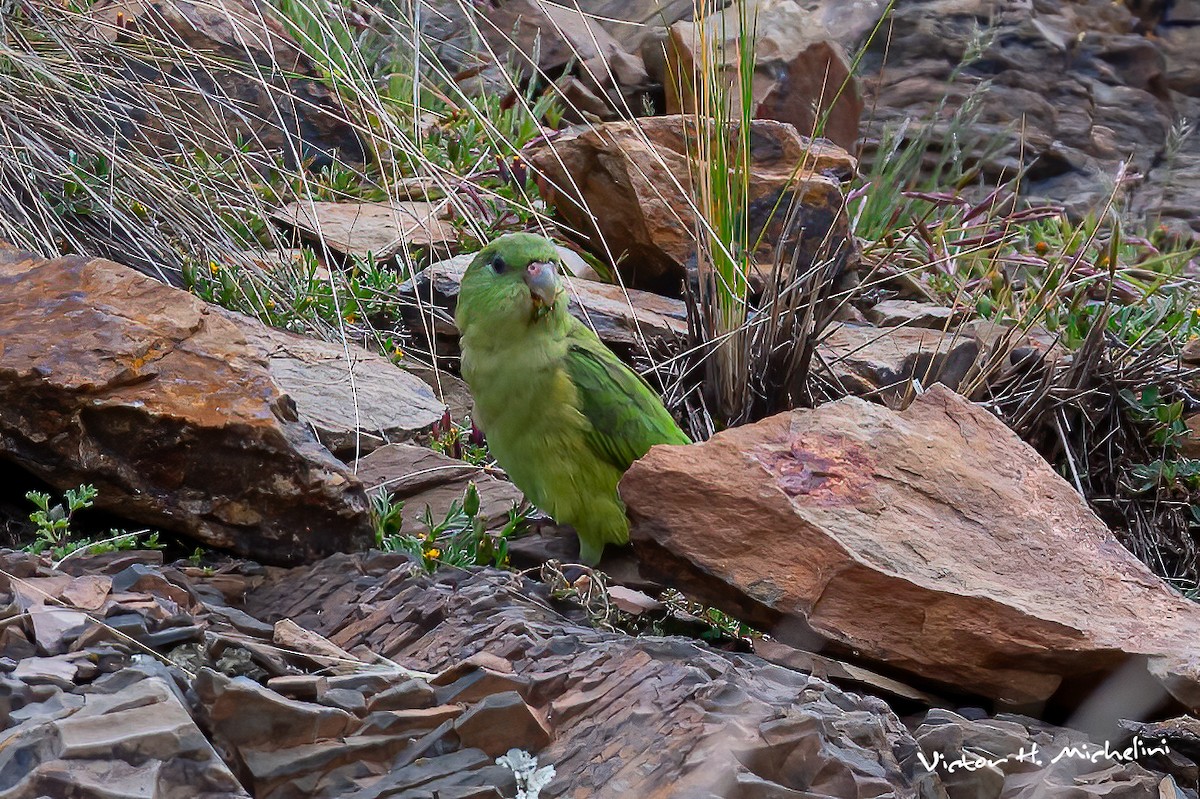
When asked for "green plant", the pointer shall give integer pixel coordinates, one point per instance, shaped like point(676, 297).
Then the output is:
point(460, 538)
point(1167, 426)
point(54, 533)
point(720, 624)
point(53, 523)
point(1166, 474)
point(463, 441)
point(386, 517)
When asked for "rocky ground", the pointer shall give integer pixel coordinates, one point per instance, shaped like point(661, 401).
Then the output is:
point(360, 676)
point(892, 594)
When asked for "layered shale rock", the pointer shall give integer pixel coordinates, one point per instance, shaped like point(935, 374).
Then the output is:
point(199, 72)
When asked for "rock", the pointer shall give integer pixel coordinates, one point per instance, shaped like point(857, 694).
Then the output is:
point(134, 742)
point(240, 71)
point(159, 401)
point(501, 722)
point(428, 482)
point(1191, 352)
point(895, 538)
point(409, 695)
point(87, 592)
point(360, 230)
point(635, 171)
point(409, 722)
point(452, 391)
point(842, 674)
point(800, 73)
point(909, 313)
point(1168, 195)
point(54, 628)
point(1191, 441)
point(542, 39)
point(60, 670)
point(110, 563)
point(883, 362)
point(304, 687)
point(621, 317)
point(353, 399)
point(1052, 91)
point(15, 645)
point(139, 578)
point(242, 713)
point(691, 721)
point(29, 590)
point(477, 683)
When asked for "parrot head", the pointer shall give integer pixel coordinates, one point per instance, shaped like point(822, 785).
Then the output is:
point(513, 280)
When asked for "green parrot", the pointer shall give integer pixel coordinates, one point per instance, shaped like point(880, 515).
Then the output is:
point(562, 415)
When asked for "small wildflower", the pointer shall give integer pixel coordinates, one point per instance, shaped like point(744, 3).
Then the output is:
point(432, 554)
point(398, 352)
point(443, 425)
point(214, 267)
point(477, 436)
point(270, 304)
point(1041, 248)
point(351, 318)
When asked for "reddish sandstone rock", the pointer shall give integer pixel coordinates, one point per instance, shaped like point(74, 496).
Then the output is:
point(802, 76)
point(112, 378)
point(637, 174)
point(933, 542)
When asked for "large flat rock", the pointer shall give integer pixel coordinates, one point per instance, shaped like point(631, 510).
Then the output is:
point(932, 543)
point(353, 399)
point(623, 186)
point(112, 378)
point(377, 229)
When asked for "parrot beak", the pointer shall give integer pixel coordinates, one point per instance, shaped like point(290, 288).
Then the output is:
point(543, 282)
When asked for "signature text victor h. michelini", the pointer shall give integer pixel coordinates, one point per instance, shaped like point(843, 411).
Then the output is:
point(970, 761)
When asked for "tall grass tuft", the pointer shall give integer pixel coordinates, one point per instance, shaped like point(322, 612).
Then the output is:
point(754, 322)
point(718, 132)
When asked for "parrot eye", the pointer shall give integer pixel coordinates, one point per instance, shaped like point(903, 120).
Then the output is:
point(498, 265)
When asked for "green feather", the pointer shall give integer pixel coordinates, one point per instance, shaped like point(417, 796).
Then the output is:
point(626, 418)
point(563, 416)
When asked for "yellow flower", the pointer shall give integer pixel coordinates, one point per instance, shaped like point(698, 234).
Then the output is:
point(432, 553)
point(270, 303)
point(214, 267)
point(351, 318)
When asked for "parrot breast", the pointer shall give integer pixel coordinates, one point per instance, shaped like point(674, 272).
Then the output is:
point(528, 409)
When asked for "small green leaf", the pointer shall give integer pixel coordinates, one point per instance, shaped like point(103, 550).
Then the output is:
point(471, 501)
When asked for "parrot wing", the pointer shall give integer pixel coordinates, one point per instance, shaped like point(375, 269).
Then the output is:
point(625, 415)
